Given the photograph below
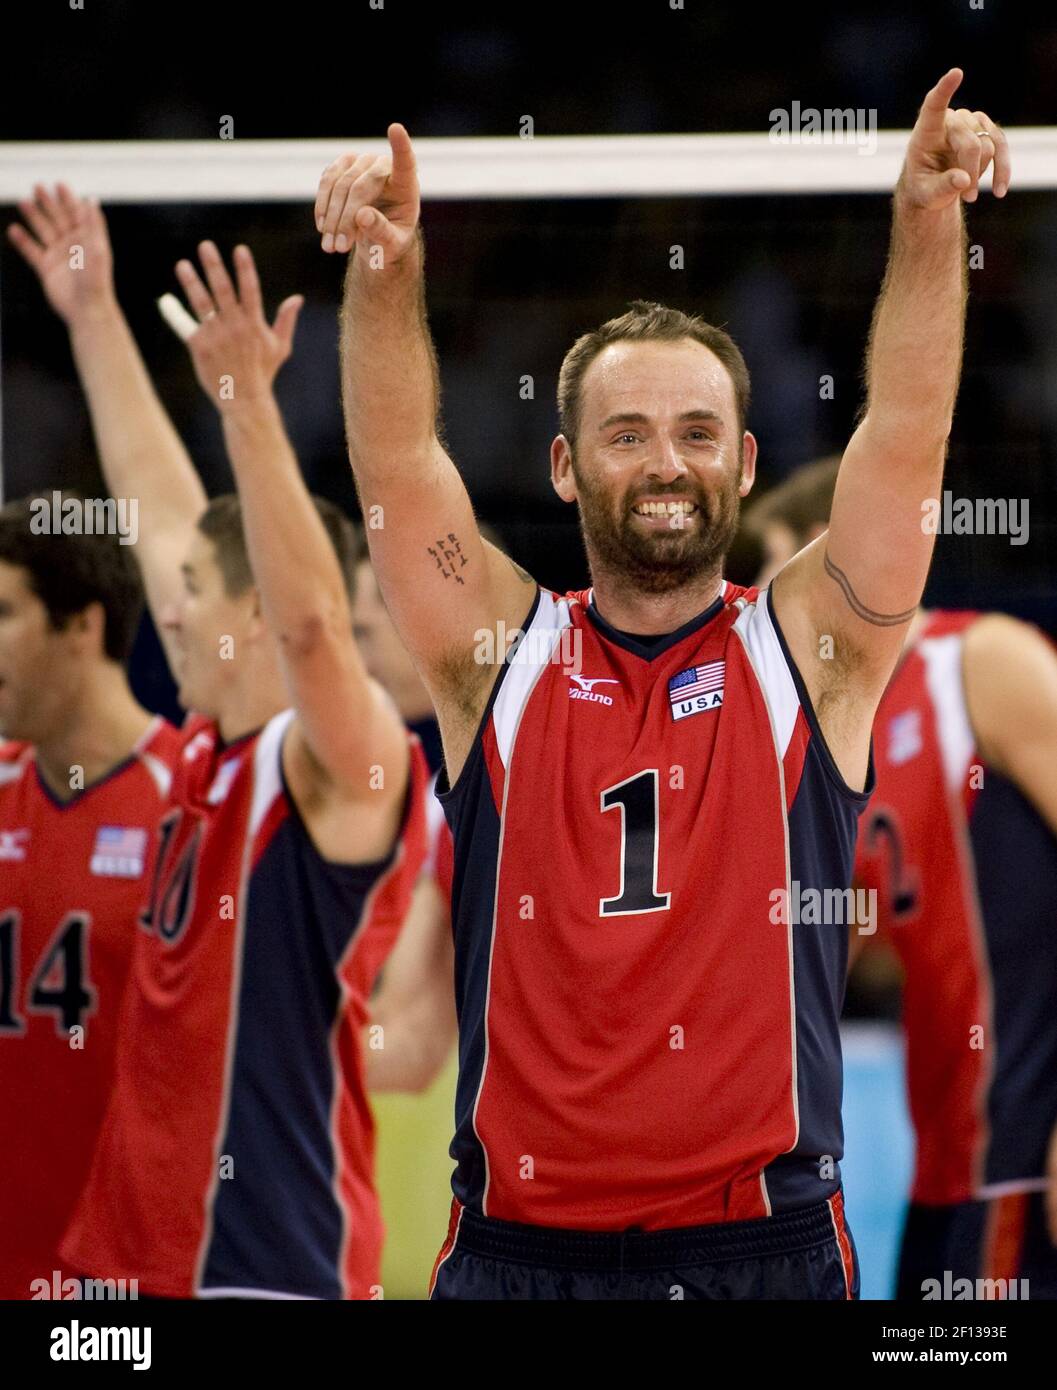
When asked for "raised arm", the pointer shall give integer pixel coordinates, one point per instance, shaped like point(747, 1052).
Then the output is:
point(413, 1025)
point(859, 584)
point(441, 582)
point(346, 726)
point(1010, 673)
point(139, 450)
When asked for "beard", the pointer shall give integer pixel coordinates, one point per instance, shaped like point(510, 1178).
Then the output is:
point(660, 561)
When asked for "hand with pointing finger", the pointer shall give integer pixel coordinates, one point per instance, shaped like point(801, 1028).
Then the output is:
point(371, 200)
point(950, 151)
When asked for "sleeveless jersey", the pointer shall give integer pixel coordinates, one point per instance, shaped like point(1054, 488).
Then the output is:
point(441, 851)
point(645, 1038)
point(238, 1154)
point(965, 872)
point(72, 878)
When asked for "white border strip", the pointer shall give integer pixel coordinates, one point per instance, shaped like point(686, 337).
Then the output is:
point(554, 166)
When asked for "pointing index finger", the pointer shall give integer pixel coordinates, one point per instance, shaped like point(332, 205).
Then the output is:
point(930, 122)
point(404, 171)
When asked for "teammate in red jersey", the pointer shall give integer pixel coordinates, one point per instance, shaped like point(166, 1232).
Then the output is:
point(413, 1003)
point(960, 845)
point(237, 1156)
point(413, 1006)
point(81, 786)
point(650, 1074)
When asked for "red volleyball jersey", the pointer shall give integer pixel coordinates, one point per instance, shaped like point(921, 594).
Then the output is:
point(439, 857)
point(965, 873)
point(72, 878)
point(644, 1039)
point(238, 1156)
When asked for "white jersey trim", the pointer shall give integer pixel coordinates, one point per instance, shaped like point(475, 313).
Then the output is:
point(764, 654)
point(267, 768)
point(767, 659)
point(160, 772)
point(267, 784)
point(436, 824)
point(257, 1293)
point(534, 652)
point(447, 1257)
point(943, 676)
point(1013, 1188)
point(526, 665)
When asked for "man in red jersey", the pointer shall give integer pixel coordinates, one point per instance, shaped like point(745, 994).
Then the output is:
point(413, 1005)
point(237, 1157)
point(82, 784)
point(959, 844)
point(650, 1072)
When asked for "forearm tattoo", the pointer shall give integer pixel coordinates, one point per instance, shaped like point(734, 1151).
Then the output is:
point(449, 558)
point(860, 609)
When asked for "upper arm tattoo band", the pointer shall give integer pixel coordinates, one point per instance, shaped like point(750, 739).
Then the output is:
point(860, 609)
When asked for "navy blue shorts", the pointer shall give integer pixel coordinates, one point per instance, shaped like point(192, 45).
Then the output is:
point(807, 1253)
point(1003, 1238)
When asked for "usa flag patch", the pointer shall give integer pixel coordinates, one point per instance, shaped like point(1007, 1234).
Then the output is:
point(697, 689)
point(120, 851)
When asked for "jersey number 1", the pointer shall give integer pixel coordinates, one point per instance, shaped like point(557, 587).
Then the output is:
point(637, 799)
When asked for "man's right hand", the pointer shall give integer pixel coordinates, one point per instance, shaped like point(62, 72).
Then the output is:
point(69, 249)
point(371, 201)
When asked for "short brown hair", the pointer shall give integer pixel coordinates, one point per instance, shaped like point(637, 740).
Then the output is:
point(803, 500)
point(221, 523)
point(646, 321)
point(68, 572)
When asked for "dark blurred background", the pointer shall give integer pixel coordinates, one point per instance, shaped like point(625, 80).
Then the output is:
point(512, 284)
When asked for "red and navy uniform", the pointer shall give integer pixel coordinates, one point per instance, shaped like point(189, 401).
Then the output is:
point(965, 871)
point(645, 1041)
point(440, 856)
point(72, 878)
point(238, 1154)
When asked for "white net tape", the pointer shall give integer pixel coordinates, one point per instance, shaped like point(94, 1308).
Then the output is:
point(161, 171)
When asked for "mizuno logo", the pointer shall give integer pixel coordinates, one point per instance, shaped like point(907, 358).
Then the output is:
point(589, 683)
point(202, 741)
point(586, 690)
point(13, 844)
